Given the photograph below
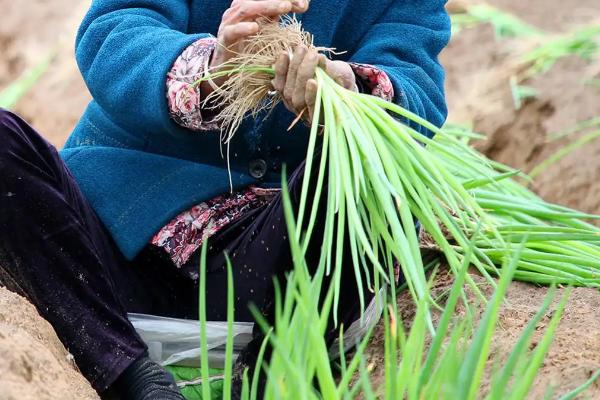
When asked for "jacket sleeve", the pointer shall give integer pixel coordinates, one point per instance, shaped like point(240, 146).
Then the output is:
point(124, 50)
point(405, 43)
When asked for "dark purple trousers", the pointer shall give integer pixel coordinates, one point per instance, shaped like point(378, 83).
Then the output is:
point(56, 253)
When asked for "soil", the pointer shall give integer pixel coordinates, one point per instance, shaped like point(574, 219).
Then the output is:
point(28, 34)
point(572, 358)
point(34, 365)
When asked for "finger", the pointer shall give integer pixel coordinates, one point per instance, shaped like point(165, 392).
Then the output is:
point(342, 73)
point(249, 10)
point(232, 34)
point(349, 81)
point(323, 61)
point(311, 96)
point(289, 106)
point(306, 71)
point(299, 6)
point(333, 71)
point(281, 70)
point(295, 62)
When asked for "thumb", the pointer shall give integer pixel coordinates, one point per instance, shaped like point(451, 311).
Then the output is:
point(342, 73)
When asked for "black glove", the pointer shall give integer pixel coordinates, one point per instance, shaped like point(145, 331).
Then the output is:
point(145, 380)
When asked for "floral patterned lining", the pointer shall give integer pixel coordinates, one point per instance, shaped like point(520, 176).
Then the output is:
point(186, 232)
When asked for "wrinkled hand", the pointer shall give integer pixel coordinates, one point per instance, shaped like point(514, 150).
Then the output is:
point(294, 78)
point(239, 22)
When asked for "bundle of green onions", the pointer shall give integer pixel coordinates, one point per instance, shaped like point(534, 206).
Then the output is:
point(559, 246)
point(382, 176)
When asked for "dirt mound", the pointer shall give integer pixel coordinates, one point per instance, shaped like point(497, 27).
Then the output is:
point(35, 365)
point(480, 66)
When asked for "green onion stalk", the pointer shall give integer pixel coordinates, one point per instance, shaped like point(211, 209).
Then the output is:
point(561, 247)
point(452, 364)
point(379, 176)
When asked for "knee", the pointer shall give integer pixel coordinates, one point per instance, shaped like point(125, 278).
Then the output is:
point(8, 131)
point(7, 120)
point(16, 135)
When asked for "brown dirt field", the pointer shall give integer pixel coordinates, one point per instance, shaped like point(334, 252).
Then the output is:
point(478, 67)
point(479, 94)
point(29, 30)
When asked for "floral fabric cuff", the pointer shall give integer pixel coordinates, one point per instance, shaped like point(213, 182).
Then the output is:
point(184, 99)
point(373, 81)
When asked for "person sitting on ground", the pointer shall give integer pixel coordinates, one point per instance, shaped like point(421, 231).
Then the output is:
point(113, 224)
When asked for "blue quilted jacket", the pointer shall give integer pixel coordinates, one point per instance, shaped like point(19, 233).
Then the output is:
point(139, 169)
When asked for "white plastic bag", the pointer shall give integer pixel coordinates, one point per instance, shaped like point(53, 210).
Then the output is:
point(357, 331)
point(177, 341)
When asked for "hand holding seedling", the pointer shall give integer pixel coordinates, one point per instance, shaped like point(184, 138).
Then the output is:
point(294, 78)
point(239, 22)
